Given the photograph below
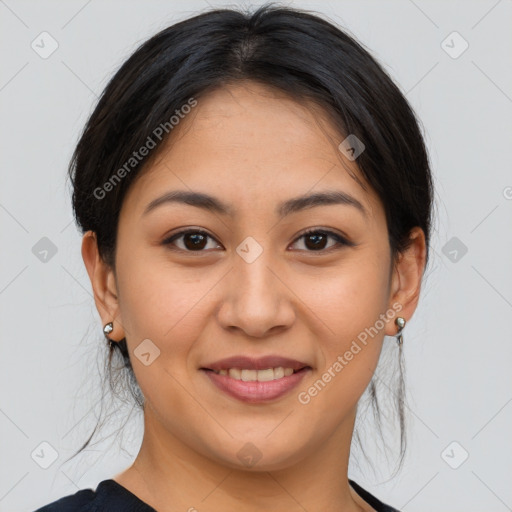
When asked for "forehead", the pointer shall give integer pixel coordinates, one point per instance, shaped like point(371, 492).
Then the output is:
point(248, 142)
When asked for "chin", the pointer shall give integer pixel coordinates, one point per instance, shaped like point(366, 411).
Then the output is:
point(258, 456)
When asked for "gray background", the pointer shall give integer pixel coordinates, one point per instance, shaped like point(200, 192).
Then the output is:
point(458, 344)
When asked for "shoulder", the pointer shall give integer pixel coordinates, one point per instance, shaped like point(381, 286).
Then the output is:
point(109, 496)
point(371, 499)
point(81, 501)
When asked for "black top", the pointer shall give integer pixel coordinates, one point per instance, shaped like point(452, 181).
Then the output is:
point(113, 497)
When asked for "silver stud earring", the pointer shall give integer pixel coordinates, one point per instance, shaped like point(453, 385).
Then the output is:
point(400, 323)
point(108, 328)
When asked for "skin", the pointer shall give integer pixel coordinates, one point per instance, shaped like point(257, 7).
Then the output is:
point(251, 147)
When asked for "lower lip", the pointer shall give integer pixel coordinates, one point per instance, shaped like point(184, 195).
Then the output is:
point(256, 392)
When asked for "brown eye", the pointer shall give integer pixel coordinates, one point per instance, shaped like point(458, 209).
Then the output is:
point(316, 240)
point(193, 240)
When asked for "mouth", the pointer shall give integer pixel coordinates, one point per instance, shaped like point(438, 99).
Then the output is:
point(242, 362)
point(250, 375)
point(256, 386)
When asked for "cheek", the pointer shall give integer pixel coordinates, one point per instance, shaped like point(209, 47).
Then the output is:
point(349, 298)
point(159, 301)
point(349, 303)
point(165, 305)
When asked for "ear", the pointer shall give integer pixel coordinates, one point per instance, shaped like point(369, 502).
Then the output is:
point(103, 284)
point(406, 279)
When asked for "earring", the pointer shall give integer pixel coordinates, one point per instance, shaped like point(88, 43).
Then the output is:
point(400, 323)
point(108, 328)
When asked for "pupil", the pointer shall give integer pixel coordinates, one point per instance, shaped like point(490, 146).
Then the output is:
point(316, 239)
point(197, 239)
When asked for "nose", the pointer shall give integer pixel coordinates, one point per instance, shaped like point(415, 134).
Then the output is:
point(256, 298)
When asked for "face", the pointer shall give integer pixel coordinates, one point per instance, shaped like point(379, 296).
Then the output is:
point(248, 282)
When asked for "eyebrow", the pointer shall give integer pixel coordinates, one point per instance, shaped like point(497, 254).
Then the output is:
point(296, 204)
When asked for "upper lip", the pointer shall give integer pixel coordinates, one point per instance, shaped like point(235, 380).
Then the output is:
point(260, 363)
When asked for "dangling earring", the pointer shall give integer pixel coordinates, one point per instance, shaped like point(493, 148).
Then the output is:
point(107, 329)
point(400, 323)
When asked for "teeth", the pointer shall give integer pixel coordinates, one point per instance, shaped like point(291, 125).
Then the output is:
point(256, 375)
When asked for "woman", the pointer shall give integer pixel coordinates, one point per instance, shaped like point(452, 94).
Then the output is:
point(255, 200)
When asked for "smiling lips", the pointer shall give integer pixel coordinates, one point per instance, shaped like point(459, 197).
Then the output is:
point(256, 380)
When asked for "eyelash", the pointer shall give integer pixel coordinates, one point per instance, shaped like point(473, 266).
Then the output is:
point(339, 239)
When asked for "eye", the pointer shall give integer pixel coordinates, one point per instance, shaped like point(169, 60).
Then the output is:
point(315, 240)
point(195, 240)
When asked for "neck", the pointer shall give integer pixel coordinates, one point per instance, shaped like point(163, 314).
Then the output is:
point(168, 475)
